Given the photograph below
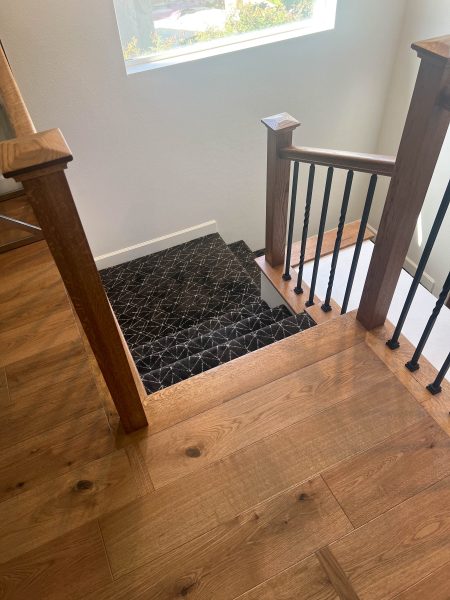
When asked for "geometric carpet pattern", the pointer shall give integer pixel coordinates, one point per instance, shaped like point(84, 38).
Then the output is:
point(193, 307)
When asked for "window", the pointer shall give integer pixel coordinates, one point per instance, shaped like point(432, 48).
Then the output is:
point(162, 32)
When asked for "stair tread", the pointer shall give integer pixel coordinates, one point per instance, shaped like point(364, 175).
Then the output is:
point(156, 359)
point(218, 355)
point(204, 328)
point(171, 290)
point(216, 386)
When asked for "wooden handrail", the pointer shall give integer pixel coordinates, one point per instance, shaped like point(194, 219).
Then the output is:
point(38, 161)
point(12, 100)
point(423, 135)
point(354, 161)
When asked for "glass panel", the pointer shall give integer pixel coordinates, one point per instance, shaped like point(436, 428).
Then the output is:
point(158, 29)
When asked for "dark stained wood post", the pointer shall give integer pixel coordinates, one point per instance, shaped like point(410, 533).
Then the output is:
point(39, 161)
point(279, 135)
point(423, 135)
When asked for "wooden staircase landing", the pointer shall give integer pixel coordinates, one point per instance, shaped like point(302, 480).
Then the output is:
point(316, 468)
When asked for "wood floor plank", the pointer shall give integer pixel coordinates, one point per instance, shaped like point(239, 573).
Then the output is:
point(32, 338)
point(399, 548)
point(212, 435)
point(303, 581)
point(197, 394)
point(52, 366)
point(176, 513)
point(5, 399)
point(434, 587)
point(65, 503)
point(244, 551)
point(336, 575)
point(397, 469)
point(37, 413)
point(45, 456)
point(68, 567)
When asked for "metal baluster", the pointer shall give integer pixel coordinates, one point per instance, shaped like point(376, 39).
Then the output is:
point(359, 241)
point(435, 387)
point(413, 364)
point(323, 218)
point(393, 343)
point(312, 169)
point(337, 245)
point(287, 268)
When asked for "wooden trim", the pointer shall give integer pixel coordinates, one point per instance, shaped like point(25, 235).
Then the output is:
point(18, 243)
point(279, 135)
point(423, 135)
point(355, 161)
point(21, 224)
point(437, 48)
point(13, 102)
point(13, 196)
point(23, 155)
point(349, 236)
point(52, 202)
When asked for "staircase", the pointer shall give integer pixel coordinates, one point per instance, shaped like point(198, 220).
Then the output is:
point(193, 307)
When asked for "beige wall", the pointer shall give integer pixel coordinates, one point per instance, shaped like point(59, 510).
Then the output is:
point(167, 149)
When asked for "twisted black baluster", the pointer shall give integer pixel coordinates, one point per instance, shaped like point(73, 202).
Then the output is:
point(435, 387)
point(287, 268)
point(323, 218)
point(393, 343)
point(413, 364)
point(337, 245)
point(312, 169)
point(359, 241)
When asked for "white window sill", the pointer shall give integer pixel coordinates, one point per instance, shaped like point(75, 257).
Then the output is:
point(138, 65)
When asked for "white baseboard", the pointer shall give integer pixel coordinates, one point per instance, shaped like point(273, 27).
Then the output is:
point(156, 245)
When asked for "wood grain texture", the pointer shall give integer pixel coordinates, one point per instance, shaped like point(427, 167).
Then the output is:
point(399, 548)
point(355, 161)
point(197, 394)
point(16, 110)
point(40, 150)
point(241, 553)
point(336, 575)
point(423, 135)
point(349, 235)
point(49, 454)
point(439, 47)
point(434, 587)
point(70, 249)
point(16, 208)
point(279, 135)
point(400, 467)
point(68, 567)
point(305, 580)
point(213, 435)
point(60, 505)
point(5, 399)
point(176, 513)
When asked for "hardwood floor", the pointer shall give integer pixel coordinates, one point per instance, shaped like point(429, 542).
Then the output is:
point(314, 469)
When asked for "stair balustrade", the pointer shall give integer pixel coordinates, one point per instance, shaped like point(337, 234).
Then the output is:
point(38, 161)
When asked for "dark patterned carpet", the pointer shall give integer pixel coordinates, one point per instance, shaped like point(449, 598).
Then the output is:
point(193, 307)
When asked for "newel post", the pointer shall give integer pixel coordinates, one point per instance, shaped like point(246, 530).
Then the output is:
point(423, 135)
point(39, 160)
point(279, 135)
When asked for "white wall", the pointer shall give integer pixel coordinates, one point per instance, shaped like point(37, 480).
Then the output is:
point(163, 150)
point(423, 19)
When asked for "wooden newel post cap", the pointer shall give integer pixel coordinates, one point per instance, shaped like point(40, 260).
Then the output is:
point(280, 123)
point(436, 49)
point(24, 156)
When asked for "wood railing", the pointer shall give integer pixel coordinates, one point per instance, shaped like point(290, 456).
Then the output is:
point(38, 161)
point(410, 172)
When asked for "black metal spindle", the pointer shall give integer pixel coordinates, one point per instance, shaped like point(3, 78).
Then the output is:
point(326, 307)
point(359, 241)
point(287, 267)
point(298, 288)
point(435, 387)
point(413, 364)
point(393, 343)
point(323, 218)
